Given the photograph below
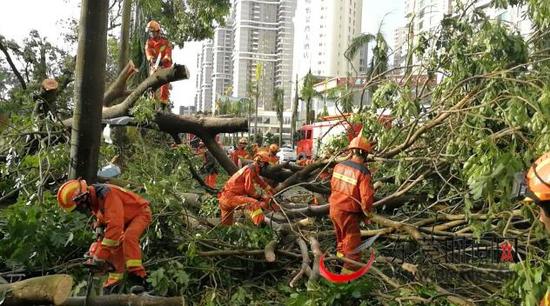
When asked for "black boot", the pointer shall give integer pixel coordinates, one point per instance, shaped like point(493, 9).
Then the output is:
point(113, 289)
point(138, 284)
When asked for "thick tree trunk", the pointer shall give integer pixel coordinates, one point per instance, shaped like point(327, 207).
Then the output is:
point(124, 34)
point(44, 290)
point(205, 128)
point(89, 89)
point(124, 300)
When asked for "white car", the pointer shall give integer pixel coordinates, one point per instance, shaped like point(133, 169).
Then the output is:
point(286, 154)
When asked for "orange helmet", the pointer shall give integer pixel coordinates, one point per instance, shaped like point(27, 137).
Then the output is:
point(538, 179)
point(360, 143)
point(153, 26)
point(262, 156)
point(273, 148)
point(69, 191)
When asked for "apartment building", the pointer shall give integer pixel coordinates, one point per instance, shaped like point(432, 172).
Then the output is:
point(255, 37)
point(203, 95)
point(426, 16)
point(222, 69)
point(323, 31)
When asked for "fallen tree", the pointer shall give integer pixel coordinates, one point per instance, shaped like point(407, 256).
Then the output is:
point(44, 290)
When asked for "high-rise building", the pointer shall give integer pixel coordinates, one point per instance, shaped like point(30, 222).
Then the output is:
point(284, 49)
point(222, 65)
point(400, 54)
point(426, 15)
point(323, 31)
point(203, 95)
point(255, 37)
point(363, 59)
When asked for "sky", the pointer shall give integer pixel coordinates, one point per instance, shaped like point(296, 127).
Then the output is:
point(15, 25)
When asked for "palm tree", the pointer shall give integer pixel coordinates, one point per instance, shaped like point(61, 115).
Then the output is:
point(307, 94)
point(379, 61)
point(278, 97)
point(258, 77)
point(355, 46)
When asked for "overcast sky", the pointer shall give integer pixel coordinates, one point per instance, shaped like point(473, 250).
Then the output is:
point(18, 17)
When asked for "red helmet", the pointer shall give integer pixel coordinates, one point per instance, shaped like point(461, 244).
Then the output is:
point(538, 179)
point(360, 143)
point(69, 191)
point(273, 148)
point(153, 26)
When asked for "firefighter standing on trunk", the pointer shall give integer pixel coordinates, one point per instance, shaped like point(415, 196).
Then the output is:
point(124, 216)
point(240, 192)
point(158, 51)
point(351, 199)
point(538, 191)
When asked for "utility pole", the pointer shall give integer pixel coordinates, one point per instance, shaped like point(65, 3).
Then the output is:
point(294, 113)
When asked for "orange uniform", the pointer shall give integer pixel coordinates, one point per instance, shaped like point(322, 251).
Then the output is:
point(209, 168)
point(154, 47)
point(305, 162)
point(237, 154)
point(240, 191)
point(546, 299)
point(352, 194)
point(125, 216)
point(273, 159)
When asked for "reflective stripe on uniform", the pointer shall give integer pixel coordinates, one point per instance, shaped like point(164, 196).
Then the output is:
point(133, 263)
point(115, 276)
point(339, 254)
point(109, 242)
point(345, 178)
point(255, 213)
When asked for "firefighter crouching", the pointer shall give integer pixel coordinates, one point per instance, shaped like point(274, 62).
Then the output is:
point(240, 192)
point(350, 201)
point(124, 216)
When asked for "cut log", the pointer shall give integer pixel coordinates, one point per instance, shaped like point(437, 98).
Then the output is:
point(124, 300)
point(44, 290)
point(269, 251)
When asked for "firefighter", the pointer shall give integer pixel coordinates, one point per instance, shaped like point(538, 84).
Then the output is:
point(350, 200)
point(124, 216)
point(209, 166)
point(538, 191)
point(253, 151)
point(158, 51)
point(273, 150)
point(240, 152)
point(240, 192)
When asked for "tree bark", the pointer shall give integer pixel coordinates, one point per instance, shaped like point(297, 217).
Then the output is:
point(89, 89)
point(44, 290)
point(204, 128)
point(124, 300)
point(124, 34)
point(12, 65)
point(118, 88)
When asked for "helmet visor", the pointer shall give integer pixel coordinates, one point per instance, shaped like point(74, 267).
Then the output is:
point(519, 188)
